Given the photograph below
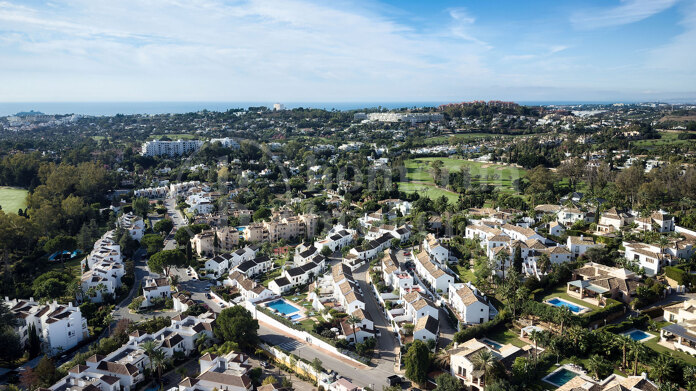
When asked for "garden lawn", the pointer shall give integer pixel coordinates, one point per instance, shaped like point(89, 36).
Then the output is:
point(465, 274)
point(505, 337)
point(653, 344)
point(13, 198)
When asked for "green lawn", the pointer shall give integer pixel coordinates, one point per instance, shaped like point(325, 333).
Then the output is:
point(507, 336)
point(465, 274)
point(13, 198)
point(653, 344)
point(419, 178)
point(428, 189)
point(666, 139)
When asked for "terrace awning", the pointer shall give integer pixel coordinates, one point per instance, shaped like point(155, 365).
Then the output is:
point(588, 286)
point(680, 331)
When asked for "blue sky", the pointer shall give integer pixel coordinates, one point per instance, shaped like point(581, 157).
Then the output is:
point(343, 51)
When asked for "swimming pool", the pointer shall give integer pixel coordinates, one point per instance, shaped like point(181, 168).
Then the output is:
point(638, 335)
point(295, 316)
point(558, 302)
point(283, 307)
point(560, 377)
point(492, 344)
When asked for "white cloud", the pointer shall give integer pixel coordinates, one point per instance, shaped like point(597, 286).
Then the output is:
point(224, 50)
point(628, 11)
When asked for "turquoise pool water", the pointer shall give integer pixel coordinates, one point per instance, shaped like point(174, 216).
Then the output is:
point(560, 377)
point(492, 344)
point(638, 335)
point(562, 303)
point(281, 306)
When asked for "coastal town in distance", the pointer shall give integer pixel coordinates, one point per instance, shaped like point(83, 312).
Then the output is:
point(354, 195)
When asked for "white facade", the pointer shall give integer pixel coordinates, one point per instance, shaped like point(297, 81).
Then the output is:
point(59, 327)
point(470, 306)
point(170, 148)
point(155, 288)
point(133, 224)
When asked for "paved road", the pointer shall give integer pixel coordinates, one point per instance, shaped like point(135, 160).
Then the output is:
point(387, 343)
point(178, 220)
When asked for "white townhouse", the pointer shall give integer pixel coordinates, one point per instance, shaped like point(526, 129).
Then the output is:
point(336, 239)
point(418, 306)
point(152, 192)
point(80, 378)
point(299, 275)
point(569, 216)
point(180, 336)
point(482, 233)
point(652, 258)
point(663, 221)
point(578, 245)
point(556, 229)
point(370, 249)
point(106, 249)
point(463, 366)
point(243, 254)
point(350, 297)
point(155, 288)
point(612, 220)
point(521, 233)
point(470, 306)
point(134, 225)
point(199, 204)
point(426, 328)
point(435, 249)
point(392, 274)
point(250, 290)
point(304, 253)
point(218, 265)
point(228, 373)
point(546, 209)
point(59, 327)
point(255, 266)
point(102, 280)
point(437, 278)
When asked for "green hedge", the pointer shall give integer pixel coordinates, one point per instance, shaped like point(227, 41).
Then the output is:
point(480, 330)
point(640, 322)
point(611, 307)
point(678, 275)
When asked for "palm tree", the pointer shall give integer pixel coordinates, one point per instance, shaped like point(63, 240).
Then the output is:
point(203, 342)
point(637, 349)
point(442, 359)
point(563, 316)
point(352, 320)
point(159, 359)
point(577, 335)
point(484, 360)
point(623, 341)
point(535, 336)
point(149, 347)
point(662, 368)
point(595, 364)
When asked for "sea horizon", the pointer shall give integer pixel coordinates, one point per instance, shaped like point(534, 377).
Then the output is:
point(163, 107)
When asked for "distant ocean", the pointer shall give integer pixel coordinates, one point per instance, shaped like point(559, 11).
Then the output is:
point(113, 108)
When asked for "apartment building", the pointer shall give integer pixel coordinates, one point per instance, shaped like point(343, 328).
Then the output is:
point(134, 225)
point(203, 243)
point(170, 148)
point(59, 327)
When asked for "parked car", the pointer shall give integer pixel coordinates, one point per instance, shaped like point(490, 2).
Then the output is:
point(207, 296)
